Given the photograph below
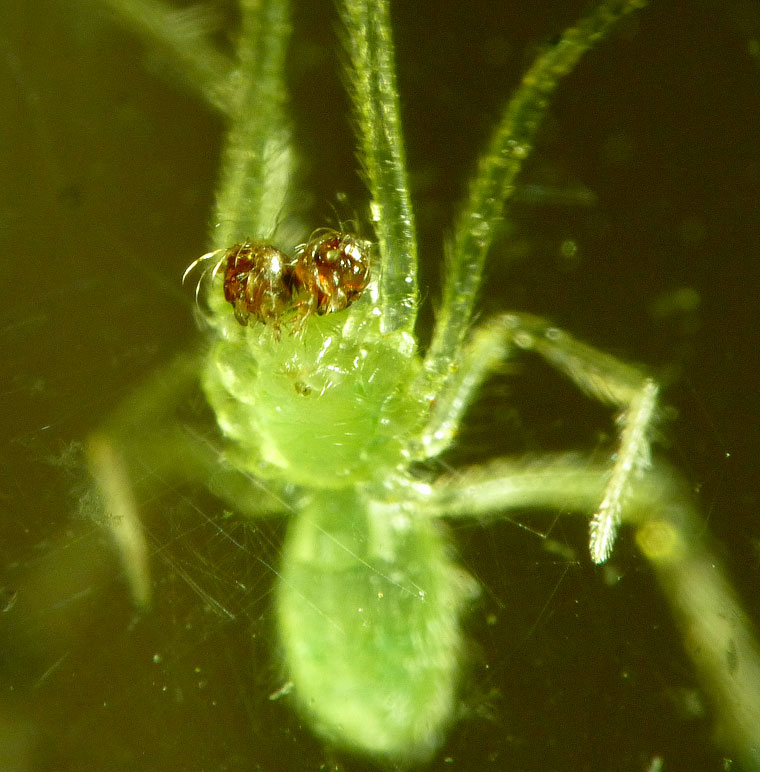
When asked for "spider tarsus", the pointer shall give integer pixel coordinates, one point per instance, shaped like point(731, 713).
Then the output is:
point(633, 457)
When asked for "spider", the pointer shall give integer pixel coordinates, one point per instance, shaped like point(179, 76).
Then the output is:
point(337, 420)
point(369, 598)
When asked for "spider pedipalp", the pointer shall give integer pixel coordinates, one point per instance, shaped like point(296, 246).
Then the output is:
point(259, 282)
point(264, 284)
point(336, 269)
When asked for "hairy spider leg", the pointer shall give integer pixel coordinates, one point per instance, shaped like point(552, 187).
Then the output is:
point(599, 375)
point(453, 368)
point(144, 434)
point(257, 166)
point(372, 76)
point(670, 534)
point(376, 106)
point(494, 183)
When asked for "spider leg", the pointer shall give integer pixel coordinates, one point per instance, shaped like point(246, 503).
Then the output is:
point(493, 184)
point(670, 533)
point(144, 445)
point(372, 76)
point(612, 382)
point(452, 394)
point(110, 474)
point(599, 375)
point(112, 450)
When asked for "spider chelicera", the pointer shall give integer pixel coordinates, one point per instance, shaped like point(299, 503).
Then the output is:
point(322, 393)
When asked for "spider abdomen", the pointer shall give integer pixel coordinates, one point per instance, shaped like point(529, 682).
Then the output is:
point(369, 612)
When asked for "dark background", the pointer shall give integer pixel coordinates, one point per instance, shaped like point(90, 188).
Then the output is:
point(649, 164)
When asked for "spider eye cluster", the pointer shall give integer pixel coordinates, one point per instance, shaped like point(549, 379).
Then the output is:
point(324, 276)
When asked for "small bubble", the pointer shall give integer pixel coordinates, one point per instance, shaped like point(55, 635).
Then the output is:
point(569, 255)
point(568, 248)
point(518, 150)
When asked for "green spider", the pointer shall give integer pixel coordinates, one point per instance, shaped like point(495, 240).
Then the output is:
point(370, 598)
point(336, 412)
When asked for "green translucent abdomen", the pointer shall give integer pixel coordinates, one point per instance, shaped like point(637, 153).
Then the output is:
point(369, 615)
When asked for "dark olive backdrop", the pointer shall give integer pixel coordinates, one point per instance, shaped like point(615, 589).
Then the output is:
point(648, 172)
